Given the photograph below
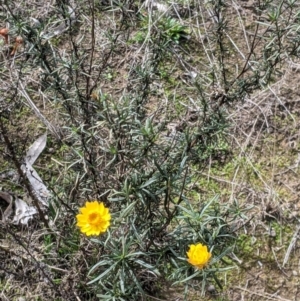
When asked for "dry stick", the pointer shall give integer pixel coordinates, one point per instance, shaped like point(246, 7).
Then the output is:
point(38, 263)
point(291, 245)
point(265, 295)
point(105, 59)
point(255, 42)
point(170, 214)
point(22, 174)
point(88, 88)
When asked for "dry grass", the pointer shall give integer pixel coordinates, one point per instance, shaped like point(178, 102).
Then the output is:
point(117, 53)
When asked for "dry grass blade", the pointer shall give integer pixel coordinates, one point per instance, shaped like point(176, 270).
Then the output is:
point(266, 296)
point(291, 246)
point(44, 120)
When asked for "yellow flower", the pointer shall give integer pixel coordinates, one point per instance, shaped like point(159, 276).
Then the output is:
point(94, 218)
point(198, 255)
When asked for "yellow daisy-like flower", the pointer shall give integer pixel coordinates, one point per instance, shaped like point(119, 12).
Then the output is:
point(198, 255)
point(94, 218)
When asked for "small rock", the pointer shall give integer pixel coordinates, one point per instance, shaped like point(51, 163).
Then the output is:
point(211, 289)
point(272, 232)
point(295, 273)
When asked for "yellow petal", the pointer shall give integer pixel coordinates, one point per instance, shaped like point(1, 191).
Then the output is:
point(93, 219)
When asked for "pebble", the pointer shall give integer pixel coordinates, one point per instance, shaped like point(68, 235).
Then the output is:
point(211, 289)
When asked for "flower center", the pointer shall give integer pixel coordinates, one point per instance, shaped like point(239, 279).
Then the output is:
point(94, 218)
